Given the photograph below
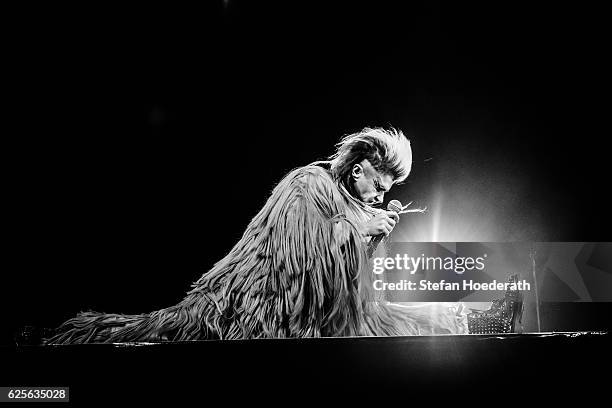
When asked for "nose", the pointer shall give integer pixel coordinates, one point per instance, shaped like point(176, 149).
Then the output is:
point(379, 198)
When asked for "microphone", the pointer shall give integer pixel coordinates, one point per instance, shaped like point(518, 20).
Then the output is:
point(396, 207)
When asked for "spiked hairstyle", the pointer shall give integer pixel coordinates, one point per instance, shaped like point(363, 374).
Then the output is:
point(388, 151)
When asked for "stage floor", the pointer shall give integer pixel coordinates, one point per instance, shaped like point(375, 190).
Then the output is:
point(469, 367)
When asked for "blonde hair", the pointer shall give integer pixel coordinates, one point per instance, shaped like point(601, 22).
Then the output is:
point(388, 151)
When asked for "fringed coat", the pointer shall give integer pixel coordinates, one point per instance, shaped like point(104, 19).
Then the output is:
point(299, 270)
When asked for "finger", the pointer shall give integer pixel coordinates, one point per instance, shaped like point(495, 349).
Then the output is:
point(391, 222)
point(386, 218)
point(393, 215)
point(383, 228)
point(389, 226)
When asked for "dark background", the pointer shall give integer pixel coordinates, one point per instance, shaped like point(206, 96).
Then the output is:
point(139, 143)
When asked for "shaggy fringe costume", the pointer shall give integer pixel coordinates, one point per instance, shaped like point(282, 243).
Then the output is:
point(299, 270)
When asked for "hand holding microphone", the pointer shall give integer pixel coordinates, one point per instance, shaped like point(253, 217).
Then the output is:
point(382, 224)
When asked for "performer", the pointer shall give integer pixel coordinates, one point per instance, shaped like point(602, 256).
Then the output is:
point(300, 268)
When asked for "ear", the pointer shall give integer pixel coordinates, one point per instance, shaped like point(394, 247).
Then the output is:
point(357, 171)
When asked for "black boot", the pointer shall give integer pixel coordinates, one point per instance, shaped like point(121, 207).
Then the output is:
point(504, 316)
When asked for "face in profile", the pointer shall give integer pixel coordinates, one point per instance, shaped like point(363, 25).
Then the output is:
point(370, 185)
